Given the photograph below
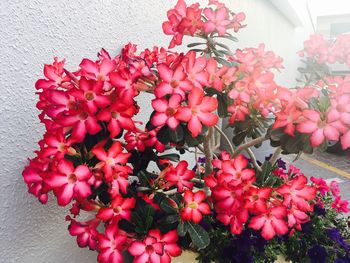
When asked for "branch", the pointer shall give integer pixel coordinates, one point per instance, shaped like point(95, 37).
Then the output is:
point(249, 144)
point(226, 139)
point(275, 155)
point(253, 158)
point(207, 152)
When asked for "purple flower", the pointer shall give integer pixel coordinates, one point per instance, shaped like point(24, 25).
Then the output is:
point(201, 159)
point(319, 210)
point(335, 235)
point(317, 254)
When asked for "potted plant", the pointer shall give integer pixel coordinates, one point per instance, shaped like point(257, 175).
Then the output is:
point(146, 201)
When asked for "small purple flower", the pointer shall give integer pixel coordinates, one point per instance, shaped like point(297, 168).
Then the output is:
point(335, 235)
point(201, 159)
point(319, 210)
point(317, 254)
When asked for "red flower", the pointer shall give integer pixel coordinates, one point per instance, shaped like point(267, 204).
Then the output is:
point(319, 129)
point(297, 192)
point(256, 199)
point(198, 111)
point(194, 206)
point(81, 122)
point(69, 182)
point(165, 111)
point(112, 159)
point(119, 116)
point(180, 176)
point(218, 21)
point(55, 75)
point(90, 92)
point(320, 184)
point(272, 222)
point(110, 245)
point(156, 247)
point(172, 81)
point(341, 206)
point(85, 232)
point(235, 172)
point(120, 208)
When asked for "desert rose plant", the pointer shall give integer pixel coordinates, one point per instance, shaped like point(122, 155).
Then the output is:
point(125, 178)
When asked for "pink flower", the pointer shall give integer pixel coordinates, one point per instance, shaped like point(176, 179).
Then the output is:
point(334, 187)
point(34, 176)
point(172, 81)
point(112, 159)
point(54, 74)
point(85, 232)
point(341, 206)
point(119, 116)
point(218, 20)
point(194, 206)
point(235, 172)
point(124, 82)
point(147, 251)
point(120, 208)
point(111, 244)
point(272, 222)
point(319, 129)
point(81, 122)
point(180, 176)
point(296, 217)
point(256, 199)
point(69, 182)
point(57, 145)
point(91, 93)
point(198, 111)
point(156, 247)
point(320, 184)
point(195, 70)
point(297, 192)
point(287, 119)
point(165, 111)
point(99, 70)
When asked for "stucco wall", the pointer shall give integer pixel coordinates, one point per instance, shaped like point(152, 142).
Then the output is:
point(32, 32)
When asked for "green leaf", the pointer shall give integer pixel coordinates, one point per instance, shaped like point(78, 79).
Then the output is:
point(163, 135)
point(222, 108)
point(230, 37)
point(196, 50)
point(223, 46)
point(313, 102)
point(176, 135)
point(195, 44)
point(172, 218)
point(223, 62)
point(182, 229)
point(171, 156)
point(167, 207)
point(199, 236)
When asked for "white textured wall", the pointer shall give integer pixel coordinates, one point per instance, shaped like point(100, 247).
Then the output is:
point(32, 32)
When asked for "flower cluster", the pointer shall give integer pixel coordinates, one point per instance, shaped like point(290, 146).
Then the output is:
point(328, 51)
point(274, 210)
point(193, 20)
point(143, 199)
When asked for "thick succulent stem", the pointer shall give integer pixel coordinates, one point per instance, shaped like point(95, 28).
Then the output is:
point(208, 152)
point(251, 143)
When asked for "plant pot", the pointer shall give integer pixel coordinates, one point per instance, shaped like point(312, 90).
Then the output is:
point(187, 256)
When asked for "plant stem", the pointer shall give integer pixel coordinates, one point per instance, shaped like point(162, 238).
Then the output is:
point(253, 158)
point(226, 139)
point(249, 144)
point(208, 152)
point(275, 155)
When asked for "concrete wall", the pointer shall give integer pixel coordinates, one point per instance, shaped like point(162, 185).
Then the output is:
point(32, 32)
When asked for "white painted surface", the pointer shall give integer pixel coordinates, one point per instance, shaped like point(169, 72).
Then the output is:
point(32, 32)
